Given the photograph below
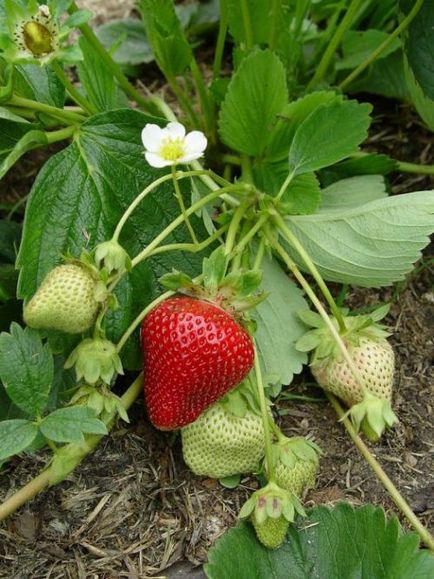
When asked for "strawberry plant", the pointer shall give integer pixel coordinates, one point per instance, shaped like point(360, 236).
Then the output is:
point(182, 246)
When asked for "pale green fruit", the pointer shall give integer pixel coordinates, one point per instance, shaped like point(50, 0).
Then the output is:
point(298, 478)
point(219, 444)
point(271, 532)
point(65, 301)
point(375, 361)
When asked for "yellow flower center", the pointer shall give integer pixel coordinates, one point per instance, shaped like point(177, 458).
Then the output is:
point(172, 149)
point(37, 38)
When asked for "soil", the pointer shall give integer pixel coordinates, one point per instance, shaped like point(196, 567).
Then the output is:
point(134, 510)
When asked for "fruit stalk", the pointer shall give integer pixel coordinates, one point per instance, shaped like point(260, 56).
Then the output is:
point(265, 418)
point(396, 496)
point(77, 451)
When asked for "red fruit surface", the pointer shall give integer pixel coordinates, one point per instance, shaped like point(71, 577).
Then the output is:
point(194, 352)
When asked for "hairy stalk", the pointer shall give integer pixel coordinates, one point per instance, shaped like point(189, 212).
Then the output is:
point(184, 101)
point(284, 186)
point(247, 23)
point(396, 496)
point(72, 91)
point(292, 239)
point(269, 466)
point(273, 28)
point(60, 135)
point(113, 66)
point(380, 49)
point(318, 305)
point(77, 452)
point(63, 115)
point(149, 189)
point(234, 226)
point(180, 219)
point(329, 53)
point(221, 39)
point(205, 102)
point(192, 247)
point(247, 238)
point(181, 203)
point(403, 166)
point(259, 255)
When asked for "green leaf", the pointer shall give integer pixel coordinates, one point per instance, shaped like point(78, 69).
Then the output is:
point(82, 192)
point(422, 103)
point(357, 45)
point(5, 114)
point(256, 94)
point(39, 83)
point(10, 235)
point(301, 197)
point(372, 245)
point(331, 543)
point(230, 482)
point(27, 142)
point(71, 423)
point(97, 80)
point(8, 281)
point(418, 44)
point(369, 164)
point(126, 40)
point(10, 135)
point(163, 29)
point(279, 326)
point(328, 135)
point(260, 16)
point(291, 118)
point(26, 369)
point(16, 435)
point(353, 192)
point(8, 409)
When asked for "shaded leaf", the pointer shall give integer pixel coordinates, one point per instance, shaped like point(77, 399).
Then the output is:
point(16, 435)
point(26, 369)
point(331, 543)
point(256, 94)
point(71, 423)
point(353, 192)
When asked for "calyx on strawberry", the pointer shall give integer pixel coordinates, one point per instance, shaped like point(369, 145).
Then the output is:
point(271, 510)
point(296, 462)
point(220, 443)
point(372, 355)
point(195, 348)
point(67, 300)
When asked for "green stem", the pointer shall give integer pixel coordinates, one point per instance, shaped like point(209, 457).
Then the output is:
point(251, 234)
point(146, 191)
point(72, 91)
point(319, 307)
point(380, 49)
point(273, 26)
point(259, 255)
point(396, 496)
point(180, 219)
point(60, 135)
point(292, 239)
point(265, 418)
point(184, 101)
point(246, 169)
point(284, 186)
point(334, 43)
point(76, 453)
point(205, 103)
point(221, 39)
point(61, 114)
point(191, 247)
point(113, 66)
point(248, 32)
point(234, 226)
point(181, 203)
point(415, 168)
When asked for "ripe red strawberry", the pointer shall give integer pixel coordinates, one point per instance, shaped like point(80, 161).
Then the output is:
point(194, 352)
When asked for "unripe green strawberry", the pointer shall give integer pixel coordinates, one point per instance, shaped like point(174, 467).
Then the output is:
point(65, 301)
point(375, 361)
point(219, 444)
point(271, 532)
point(298, 478)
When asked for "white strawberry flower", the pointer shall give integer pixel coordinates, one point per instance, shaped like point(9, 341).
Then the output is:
point(171, 146)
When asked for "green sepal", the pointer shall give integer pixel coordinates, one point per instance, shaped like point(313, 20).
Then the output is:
point(230, 482)
point(78, 19)
point(8, 84)
point(376, 413)
point(112, 257)
point(94, 360)
point(214, 269)
point(178, 281)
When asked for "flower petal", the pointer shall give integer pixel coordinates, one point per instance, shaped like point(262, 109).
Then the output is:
point(189, 157)
point(176, 130)
point(152, 135)
point(157, 161)
point(195, 142)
